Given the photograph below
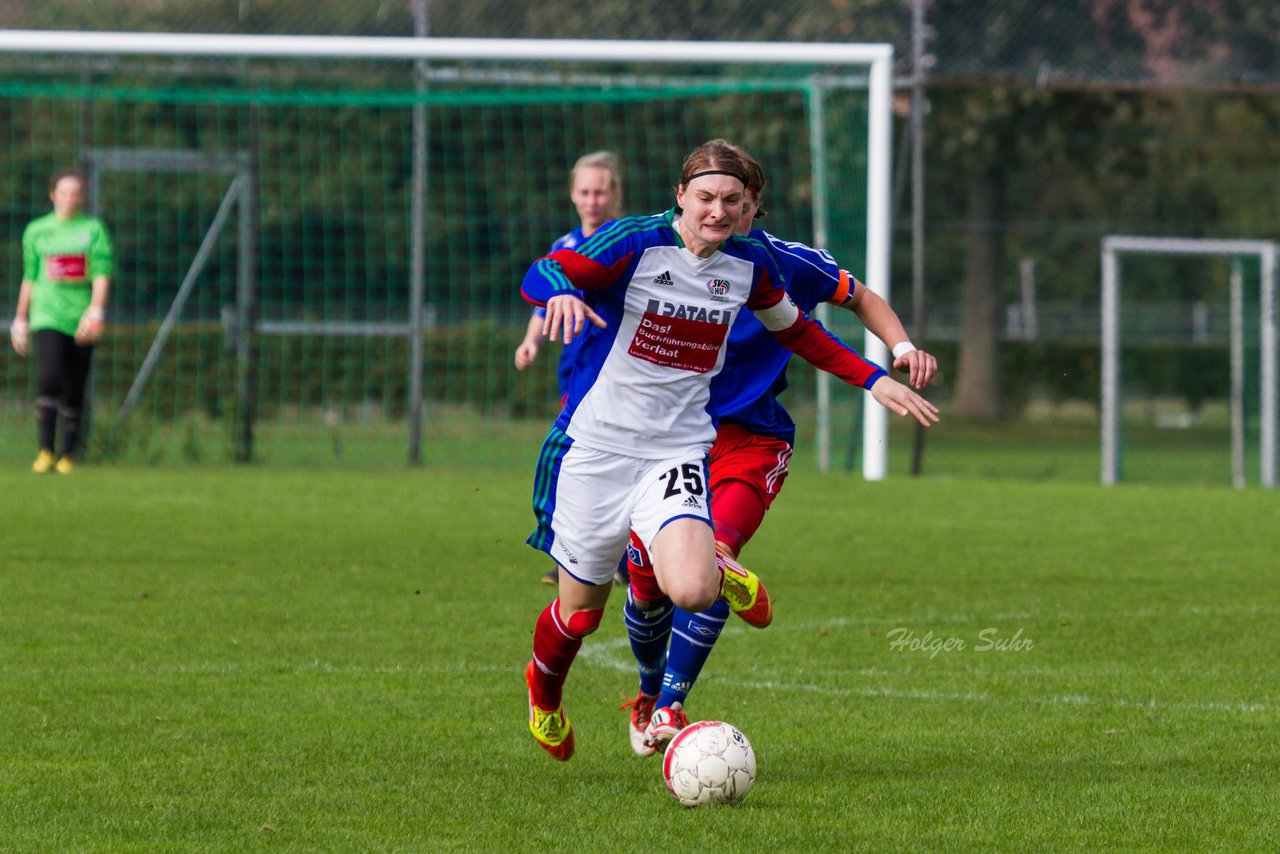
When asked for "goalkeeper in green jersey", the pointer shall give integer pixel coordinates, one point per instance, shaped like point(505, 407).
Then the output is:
point(66, 274)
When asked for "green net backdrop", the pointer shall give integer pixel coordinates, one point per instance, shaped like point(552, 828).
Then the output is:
point(326, 162)
point(1175, 365)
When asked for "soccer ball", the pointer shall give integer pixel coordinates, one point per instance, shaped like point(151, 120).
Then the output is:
point(709, 762)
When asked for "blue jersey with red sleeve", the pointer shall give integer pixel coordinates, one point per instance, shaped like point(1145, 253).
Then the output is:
point(755, 372)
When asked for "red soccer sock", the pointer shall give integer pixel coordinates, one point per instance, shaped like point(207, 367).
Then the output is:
point(554, 649)
point(738, 511)
point(644, 584)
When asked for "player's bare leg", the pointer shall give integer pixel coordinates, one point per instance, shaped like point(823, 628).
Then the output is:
point(684, 563)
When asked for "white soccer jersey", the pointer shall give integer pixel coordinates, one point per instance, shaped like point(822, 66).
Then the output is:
point(641, 387)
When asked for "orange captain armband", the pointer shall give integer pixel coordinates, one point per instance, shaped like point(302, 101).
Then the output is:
point(844, 290)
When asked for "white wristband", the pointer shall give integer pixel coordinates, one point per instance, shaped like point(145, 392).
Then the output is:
point(93, 312)
point(902, 348)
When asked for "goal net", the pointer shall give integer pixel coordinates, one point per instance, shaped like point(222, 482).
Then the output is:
point(319, 241)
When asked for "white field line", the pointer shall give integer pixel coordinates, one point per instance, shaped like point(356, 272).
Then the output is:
point(987, 619)
point(614, 655)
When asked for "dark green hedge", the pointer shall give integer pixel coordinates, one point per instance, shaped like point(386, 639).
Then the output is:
point(1063, 371)
point(469, 364)
point(472, 364)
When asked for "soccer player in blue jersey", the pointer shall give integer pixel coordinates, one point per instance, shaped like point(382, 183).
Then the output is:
point(748, 465)
point(595, 189)
point(628, 451)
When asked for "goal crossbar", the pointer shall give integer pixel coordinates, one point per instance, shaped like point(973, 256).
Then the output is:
point(385, 48)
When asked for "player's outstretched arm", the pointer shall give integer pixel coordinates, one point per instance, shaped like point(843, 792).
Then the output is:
point(556, 280)
point(568, 314)
point(812, 342)
point(883, 322)
point(898, 398)
point(918, 365)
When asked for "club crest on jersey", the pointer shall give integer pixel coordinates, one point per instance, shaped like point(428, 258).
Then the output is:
point(662, 308)
point(719, 289)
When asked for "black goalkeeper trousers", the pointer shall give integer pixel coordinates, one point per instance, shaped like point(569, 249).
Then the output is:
point(62, 374)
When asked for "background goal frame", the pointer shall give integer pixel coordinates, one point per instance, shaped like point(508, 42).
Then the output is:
point(1113, 246)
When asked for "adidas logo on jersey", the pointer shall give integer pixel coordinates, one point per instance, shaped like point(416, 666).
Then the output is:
point(691, 501)
point(664, 278)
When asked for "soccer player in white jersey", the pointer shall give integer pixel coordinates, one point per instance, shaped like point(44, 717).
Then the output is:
point(748, 465)
point(595, 190)
point(628, 451)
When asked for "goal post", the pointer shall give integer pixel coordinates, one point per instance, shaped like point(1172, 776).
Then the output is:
point(1115, 246)
point(651, 99)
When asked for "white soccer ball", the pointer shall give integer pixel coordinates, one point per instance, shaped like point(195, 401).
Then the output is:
point(709, 762)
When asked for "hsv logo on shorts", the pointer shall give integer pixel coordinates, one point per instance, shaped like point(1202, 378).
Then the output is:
point(680, 341)
point(60, 268)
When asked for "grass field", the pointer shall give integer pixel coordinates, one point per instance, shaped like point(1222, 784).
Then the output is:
point(1048, 442)
point(218, 659)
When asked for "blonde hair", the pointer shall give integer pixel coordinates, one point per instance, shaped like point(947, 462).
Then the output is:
point(607, 161)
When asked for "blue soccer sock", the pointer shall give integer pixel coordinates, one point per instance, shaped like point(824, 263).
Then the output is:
point(649, 631)
point(692, 637)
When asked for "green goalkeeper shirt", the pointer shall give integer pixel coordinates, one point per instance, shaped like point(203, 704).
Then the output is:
point(61, 260)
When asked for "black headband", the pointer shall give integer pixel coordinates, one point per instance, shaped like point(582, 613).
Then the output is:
point(737, 175)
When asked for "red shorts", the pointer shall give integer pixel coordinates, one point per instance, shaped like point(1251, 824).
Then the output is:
point(758, 461)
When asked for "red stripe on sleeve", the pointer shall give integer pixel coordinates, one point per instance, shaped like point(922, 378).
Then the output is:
point(765, 293)
point(587, 274)
point(816, 346)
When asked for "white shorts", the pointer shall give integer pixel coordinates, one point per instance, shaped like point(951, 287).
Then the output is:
point(588, 501)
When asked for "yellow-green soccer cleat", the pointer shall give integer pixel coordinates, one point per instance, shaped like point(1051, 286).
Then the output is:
point(552, 729)
point(64, 465)
point(43, 463)
point(744, 591)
